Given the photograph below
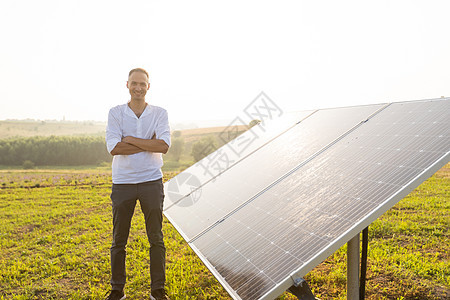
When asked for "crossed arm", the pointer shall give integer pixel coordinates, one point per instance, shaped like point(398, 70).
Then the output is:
point(131, 145)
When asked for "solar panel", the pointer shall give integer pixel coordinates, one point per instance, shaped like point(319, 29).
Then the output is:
point(239, 183)
point(332, 192)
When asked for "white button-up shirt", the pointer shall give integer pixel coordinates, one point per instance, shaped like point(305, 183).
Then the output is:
point(142, 166)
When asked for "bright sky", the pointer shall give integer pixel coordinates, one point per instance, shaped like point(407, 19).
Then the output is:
point(210, 59)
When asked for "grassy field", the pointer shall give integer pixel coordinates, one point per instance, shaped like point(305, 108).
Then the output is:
point(55, 234)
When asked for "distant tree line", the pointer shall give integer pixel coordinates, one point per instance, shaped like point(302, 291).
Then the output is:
point(54, 150)
point(88, 150)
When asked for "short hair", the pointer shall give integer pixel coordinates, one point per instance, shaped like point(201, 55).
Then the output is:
point(139, 70)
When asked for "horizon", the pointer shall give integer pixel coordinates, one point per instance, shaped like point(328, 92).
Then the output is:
point(207, 123)
point(175, 126)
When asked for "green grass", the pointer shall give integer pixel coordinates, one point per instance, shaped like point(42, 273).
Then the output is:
point(55, 234)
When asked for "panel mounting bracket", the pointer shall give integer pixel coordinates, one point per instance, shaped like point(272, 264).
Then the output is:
point(301, 290)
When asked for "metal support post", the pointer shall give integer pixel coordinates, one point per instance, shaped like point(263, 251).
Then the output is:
point(362, 280)
point(353, 268)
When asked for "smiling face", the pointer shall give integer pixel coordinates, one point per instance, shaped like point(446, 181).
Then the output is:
point(138, 86)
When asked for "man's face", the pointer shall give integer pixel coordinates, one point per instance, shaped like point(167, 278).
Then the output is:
point(138, 85)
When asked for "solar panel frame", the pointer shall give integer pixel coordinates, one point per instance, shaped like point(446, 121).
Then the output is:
point(407, 187)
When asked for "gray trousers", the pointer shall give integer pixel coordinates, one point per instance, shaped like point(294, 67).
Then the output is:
point(151, 197)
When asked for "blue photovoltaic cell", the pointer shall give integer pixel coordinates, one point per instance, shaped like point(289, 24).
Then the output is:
point(239, 183)
point(292, 225)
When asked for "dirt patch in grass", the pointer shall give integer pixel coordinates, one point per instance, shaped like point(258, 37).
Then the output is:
point(389, 286)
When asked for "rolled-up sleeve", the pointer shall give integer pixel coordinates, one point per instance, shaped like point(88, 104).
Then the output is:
point(113, 130)
point(163, 129)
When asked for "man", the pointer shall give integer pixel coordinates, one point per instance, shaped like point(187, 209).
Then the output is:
point(136, 135)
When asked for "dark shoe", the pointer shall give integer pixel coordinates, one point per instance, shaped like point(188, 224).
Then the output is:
point(116, 295)
point(159, 294)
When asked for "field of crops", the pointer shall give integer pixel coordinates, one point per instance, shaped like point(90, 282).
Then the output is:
point(55, 234)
